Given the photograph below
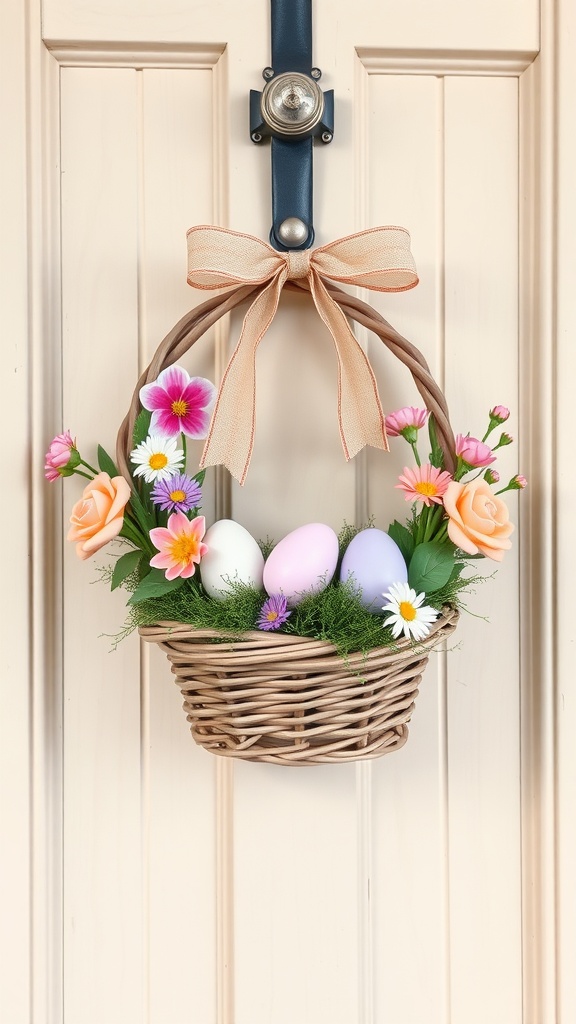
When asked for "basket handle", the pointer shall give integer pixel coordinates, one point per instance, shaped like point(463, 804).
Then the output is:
point(195, 323)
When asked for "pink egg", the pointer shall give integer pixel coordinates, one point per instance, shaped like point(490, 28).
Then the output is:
point(303, 562)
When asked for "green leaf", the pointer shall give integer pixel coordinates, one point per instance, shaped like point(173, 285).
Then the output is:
point(141, 427)
point(199, 478)
point(403, 538)
point(144, 516)
point(436, 455)
point(431, 566)
point(125, 565)
point(154, 585)
point(105, 462)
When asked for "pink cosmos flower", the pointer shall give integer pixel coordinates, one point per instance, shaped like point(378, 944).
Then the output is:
point(473, 452)
point(424, 483)
point(179, 404)
point(60, 457)
point(409, 417)
point(180, 545)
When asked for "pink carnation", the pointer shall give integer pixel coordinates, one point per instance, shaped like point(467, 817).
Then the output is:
point(409, 417)
point(59, 456)
point(473, 452)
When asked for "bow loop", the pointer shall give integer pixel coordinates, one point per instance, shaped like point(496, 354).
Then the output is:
point(379, 259)
point(218, 258)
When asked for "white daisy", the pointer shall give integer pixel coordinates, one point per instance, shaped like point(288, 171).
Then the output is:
point(157, 458)
point(408, 615)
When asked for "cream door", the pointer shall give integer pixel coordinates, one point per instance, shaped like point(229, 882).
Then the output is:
point(143, 879)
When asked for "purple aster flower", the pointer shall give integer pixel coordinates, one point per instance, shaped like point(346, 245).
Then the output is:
point(273, 613)
point(179, 404)
point(179, 493)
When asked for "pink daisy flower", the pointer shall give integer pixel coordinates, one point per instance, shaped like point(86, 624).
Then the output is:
point(409, 417)
point(424, 483)
point(179, 404)
point(180, 545)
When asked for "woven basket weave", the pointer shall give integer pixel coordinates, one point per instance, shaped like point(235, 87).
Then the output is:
point(276, 697)
point(291, 700)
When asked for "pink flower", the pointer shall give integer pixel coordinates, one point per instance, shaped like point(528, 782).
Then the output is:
point(473, 452)
point(492, 476)
point(179, 404)
point(499, 414)
point(99, 515)
point(424, 483)
point(407, 419)
point(62, 457)
point(180, 548)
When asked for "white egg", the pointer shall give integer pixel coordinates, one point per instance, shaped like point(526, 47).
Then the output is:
point(233, 556)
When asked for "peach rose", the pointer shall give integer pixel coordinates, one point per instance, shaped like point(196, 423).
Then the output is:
point(478, 519)
point(98, 517)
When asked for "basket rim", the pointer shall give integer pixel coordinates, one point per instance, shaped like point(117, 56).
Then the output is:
point(255, 639)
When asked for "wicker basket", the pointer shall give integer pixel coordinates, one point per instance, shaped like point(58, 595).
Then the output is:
point(291, 700)
point(276, 697)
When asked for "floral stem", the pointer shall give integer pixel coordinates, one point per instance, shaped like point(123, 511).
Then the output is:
point(88, 466)
point(415, 450)
point(85, 475)
point(434, 517)
point(184, 450)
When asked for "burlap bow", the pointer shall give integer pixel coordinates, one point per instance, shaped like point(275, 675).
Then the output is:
point(379, 259)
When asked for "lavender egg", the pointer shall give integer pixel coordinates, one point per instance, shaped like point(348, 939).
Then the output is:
point(373, 561)
point(302, 563)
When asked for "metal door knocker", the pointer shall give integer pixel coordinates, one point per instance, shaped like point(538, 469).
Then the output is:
point(292, 110)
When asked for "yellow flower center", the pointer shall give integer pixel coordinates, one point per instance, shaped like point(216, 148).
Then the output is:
point(180, 407)
point(177, 496)
point(184, 548)
point(271, 616)
point(158, 461)
point(407, 611)
point(427, 488)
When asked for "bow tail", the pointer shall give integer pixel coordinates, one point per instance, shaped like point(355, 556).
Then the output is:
point(231, 435)
point(360, 415)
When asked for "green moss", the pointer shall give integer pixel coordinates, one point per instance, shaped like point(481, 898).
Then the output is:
point(335, 615)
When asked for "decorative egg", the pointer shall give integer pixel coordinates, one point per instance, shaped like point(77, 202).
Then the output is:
point(233, 556)
point(373, 561)
point(303, 562)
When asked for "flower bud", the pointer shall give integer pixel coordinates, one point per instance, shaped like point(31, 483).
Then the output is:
point(499, 414)
point(492, 476)
point(518, 483)
point(504, 440)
